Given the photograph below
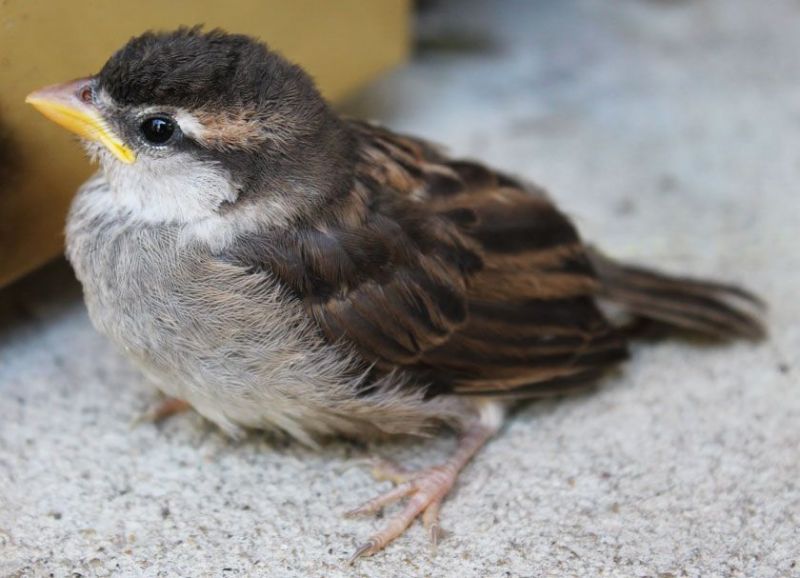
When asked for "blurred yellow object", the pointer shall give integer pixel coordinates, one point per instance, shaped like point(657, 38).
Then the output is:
point(343, 44)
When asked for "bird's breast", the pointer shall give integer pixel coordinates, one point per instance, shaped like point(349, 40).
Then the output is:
point(233, 343)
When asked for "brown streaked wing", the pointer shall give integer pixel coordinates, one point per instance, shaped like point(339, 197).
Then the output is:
point(444, 268)
point(533, 326)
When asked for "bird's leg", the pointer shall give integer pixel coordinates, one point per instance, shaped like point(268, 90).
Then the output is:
point(427, 488)
point(165, 408)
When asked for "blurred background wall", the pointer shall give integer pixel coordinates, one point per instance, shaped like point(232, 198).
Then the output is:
point(343, 44)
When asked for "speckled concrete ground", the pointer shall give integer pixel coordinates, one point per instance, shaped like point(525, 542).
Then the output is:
point(670, 130)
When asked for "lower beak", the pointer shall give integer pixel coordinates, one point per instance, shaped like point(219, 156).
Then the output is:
point(66, 104)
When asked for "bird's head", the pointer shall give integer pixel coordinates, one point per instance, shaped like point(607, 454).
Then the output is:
point(188, 123)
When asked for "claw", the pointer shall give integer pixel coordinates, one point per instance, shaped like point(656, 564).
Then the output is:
point(430, 519)
point(425, 490)
point(366, 549)
point(436, 534)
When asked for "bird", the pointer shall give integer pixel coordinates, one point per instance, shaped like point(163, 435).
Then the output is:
point(277, 266)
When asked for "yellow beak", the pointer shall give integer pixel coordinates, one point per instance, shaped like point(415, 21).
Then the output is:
point(62, 103)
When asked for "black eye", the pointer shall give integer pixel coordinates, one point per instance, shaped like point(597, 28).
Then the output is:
point(158, 129)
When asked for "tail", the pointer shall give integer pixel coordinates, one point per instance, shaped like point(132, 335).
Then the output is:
point(714, 309)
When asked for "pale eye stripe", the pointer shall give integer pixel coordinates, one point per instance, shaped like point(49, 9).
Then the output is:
point(223, 131)
point(189, 125)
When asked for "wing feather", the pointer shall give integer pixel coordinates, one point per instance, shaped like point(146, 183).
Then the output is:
point(459, 274)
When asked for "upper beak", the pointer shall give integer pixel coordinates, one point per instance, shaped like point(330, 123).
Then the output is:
point(66, 104)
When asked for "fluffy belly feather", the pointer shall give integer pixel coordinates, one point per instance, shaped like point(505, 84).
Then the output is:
point(187, 319)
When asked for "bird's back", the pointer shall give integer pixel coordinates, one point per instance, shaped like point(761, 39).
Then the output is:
point(469, 280)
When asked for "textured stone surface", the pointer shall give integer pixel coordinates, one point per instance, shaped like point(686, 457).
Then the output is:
point(671, 132)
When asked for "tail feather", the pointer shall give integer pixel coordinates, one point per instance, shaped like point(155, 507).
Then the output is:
point(707, 307)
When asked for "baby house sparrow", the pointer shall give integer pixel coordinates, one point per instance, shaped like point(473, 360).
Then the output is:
point(279, 267)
